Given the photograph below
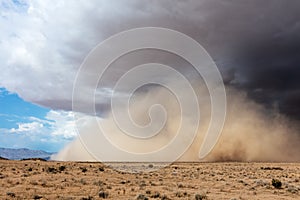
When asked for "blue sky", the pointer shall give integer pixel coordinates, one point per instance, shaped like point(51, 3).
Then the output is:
point(26, 125)
point(14, 109)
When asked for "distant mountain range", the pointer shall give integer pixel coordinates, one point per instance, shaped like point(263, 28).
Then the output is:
point(23, 153)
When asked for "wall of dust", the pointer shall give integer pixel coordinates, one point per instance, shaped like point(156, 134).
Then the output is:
point(251, 132)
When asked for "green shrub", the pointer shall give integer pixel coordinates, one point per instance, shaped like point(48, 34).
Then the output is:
point(276, 183)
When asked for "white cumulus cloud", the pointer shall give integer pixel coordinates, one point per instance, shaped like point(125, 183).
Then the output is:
point(56, 125)
point(27, 127)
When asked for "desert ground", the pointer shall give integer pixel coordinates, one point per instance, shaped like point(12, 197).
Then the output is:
point(34, 179)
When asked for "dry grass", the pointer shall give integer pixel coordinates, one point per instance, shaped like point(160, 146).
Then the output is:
point(71, 180)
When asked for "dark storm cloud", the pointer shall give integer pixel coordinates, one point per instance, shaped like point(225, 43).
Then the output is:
point(254, 43)
point(267, 63)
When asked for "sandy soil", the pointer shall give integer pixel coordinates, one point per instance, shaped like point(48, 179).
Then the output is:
point(70, 180)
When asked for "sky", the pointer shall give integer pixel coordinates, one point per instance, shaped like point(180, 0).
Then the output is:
point(255, 44)
point(27, 125)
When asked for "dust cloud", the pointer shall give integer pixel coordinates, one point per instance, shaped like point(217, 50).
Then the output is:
point(251, 132)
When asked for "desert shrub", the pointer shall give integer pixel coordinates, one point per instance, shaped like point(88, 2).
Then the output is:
point(292, 189)
point(83, 169)
point(44, 184)
point(150, 165)
point(142, 183)
point(200, 196)
point(155, 195)
point(103, 194)
point(164, 197)
point(62, 168)
point(141, 197)
point(83, 182)
point(37, 197)
point(276, 183)
point(152, 184)
point(101, 169)
point(180, 185)
point(87, 198)
point(33, 183)
point(51, 170)
point(178, 194)
point(271, 168)
point(181, 194)
point(99, 183)
point(11, 194)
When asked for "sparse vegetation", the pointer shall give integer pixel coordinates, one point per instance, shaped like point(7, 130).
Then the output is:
point(101, 169)
point(150, 166)
point(37, 197)
point(62, 168)
point(148, 191)
point(271, 168)
point(292, 189)
point(143, 183)
point(103, 194)
point(65, 180)
point(180, 194)
point(51, 170)
point(83, 169)
point(276, 183)
point(200, 196)
point(99, 183)
point(180, 185)
point(87, 198)
point(34, 159)
point(164, 197)
point(141, 197)
point(11, 194)
point(83, 182)
point(155, 195)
